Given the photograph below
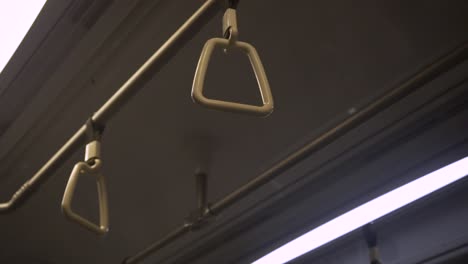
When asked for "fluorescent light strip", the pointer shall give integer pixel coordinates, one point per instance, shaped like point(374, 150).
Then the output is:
point(367, 212)
point(16, 17)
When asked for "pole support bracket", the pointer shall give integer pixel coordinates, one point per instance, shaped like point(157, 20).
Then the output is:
point(203, 214)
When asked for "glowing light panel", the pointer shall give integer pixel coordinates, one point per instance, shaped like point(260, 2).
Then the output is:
point(367, 212)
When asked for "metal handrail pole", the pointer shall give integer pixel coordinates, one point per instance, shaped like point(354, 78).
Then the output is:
point(145, 73)
point(429, 73)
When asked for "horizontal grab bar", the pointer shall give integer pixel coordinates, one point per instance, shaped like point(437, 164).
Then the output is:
point(145, 73)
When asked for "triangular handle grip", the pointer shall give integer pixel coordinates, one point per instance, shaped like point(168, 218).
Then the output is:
point(79, 169)
point(259, 71)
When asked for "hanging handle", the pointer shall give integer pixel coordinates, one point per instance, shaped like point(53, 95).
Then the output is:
point(91, 167)
point(231, 42)
point(83, 168)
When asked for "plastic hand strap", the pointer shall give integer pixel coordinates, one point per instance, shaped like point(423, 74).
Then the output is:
point(200, 74)
point(231, 32)
point(82, 168)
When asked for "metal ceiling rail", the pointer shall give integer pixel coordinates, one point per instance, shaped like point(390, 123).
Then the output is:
point(145, 73)
point(418, 80)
